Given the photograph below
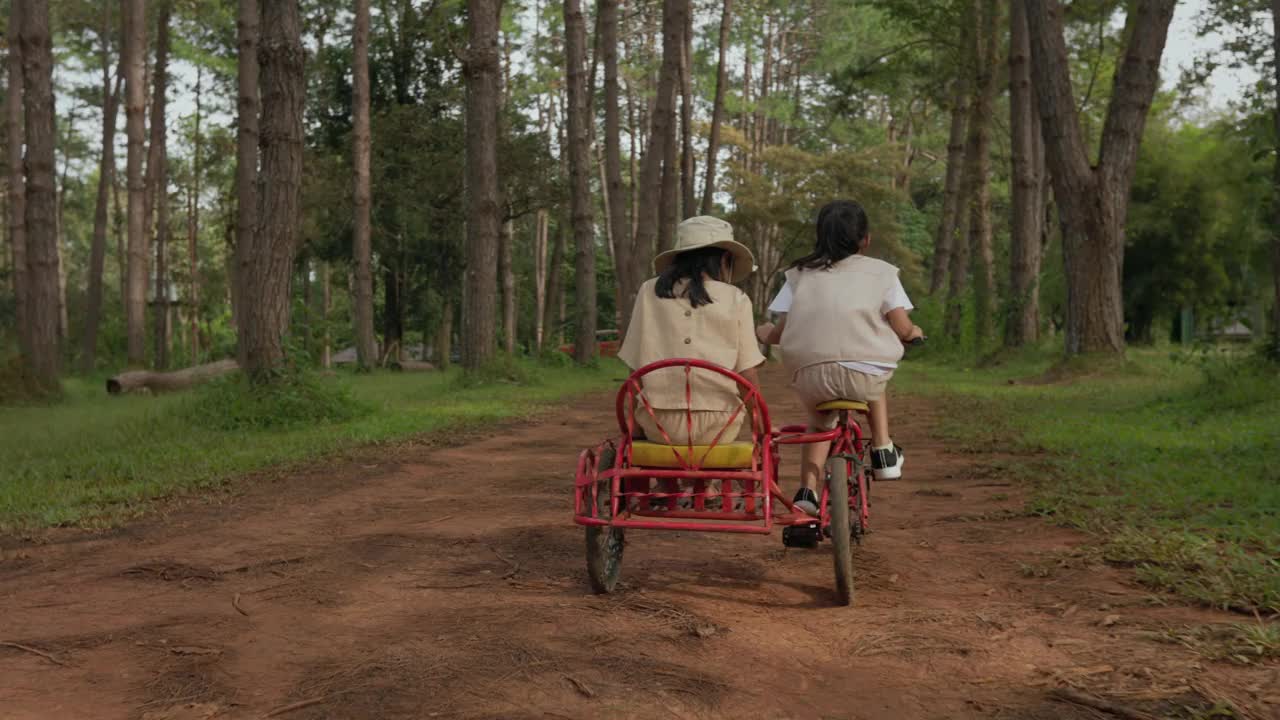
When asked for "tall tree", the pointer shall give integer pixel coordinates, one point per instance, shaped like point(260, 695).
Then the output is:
point(106, 177)
point(1092, 198)
point(193, 222)
point(580, 182)
point(717, 107)
point(624, 251)
point(688, 201)
point(157, 182)
point(17, 176)
point(953, 188)
point(36, 46)
point(1275, 196)
point(264, 317)
point(362, 245)
point(248, 103)
point(660, 131)
point(483, 203)
point(978, 159)
point(135, 39)
point(1022, 325)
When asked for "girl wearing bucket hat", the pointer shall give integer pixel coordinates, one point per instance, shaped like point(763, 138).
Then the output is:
point(690, 310)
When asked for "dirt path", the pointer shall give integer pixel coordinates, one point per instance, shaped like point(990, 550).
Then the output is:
point(449, 582)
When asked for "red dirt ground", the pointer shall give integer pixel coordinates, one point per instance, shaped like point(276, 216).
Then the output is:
point(448, 581)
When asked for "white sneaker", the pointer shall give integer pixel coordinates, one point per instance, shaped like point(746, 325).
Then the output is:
point(887, 463)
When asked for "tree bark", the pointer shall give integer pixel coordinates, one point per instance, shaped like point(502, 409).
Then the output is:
point(717, 108)
point(36, 47)
point(158, 382)
point(506, 268)
point(444, 336)
point(539, 276)
point(248, 104)
point(106, 178)
point(953, 189)
point(661, 125)
point(1022, 324)
point(623, 250)
point(688, 201)
point(135, 39)
point(17, 177)
point(392, 308)
point(1275, 183)
point(264, 317)
point(579, 121)
point(362, 244)
point(1092, 198)
point(483, 199)
point(978, 184)
point(193, 224)
point(157, 182)
point(555, 290)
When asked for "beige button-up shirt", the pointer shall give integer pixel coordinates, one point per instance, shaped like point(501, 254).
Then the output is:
point(722, 333)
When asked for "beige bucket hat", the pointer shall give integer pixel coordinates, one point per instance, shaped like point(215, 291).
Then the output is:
point(706, 231)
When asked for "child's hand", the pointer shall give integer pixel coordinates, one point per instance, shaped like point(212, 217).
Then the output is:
point(916, 334)
point(764, 332)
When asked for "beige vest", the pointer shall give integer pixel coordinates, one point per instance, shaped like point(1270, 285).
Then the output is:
point(666, 328)
point(836, 315)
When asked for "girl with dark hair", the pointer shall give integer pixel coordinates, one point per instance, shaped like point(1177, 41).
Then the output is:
point(690, 310)
point(844, 323)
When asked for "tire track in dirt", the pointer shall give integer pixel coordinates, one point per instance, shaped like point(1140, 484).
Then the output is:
point(448, 582)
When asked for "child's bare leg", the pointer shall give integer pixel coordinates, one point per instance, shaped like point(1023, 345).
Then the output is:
point(813, 457)
point(880, 421)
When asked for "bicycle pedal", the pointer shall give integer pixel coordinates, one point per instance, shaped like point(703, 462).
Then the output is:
point(802, 536)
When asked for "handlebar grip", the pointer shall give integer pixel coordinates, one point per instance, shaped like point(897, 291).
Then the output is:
point(918, 341)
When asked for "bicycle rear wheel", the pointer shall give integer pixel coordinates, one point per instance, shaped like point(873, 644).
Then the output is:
point(604, 543)
point(841, 530)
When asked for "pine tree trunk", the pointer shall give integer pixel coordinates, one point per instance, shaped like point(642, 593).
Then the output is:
point(106, 178)
point(193, 226)
point(624, 252)
point(717, 108)
point(555, 290)
point(483, 199)
point(1022, 326)
point(157, 184)
point(669, 199)
point(135, 39)
point(978, 184)
point(17, 178)
point(953, 189)
point(326, 304)
point(580, 183)
point(35, 42)
point(688, 201)
point(1092, 199)
point(265, 291)
point(506, 268)
point(362, 245)
point(539, 276)
point(660, 132)
point(1275, 183)
point(248, 105)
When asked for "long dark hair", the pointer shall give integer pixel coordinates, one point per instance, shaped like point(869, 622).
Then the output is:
point(841, 228)
point(692, 266)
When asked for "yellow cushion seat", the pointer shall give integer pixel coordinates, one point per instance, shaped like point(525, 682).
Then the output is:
point(843, 405)
point(726, 456)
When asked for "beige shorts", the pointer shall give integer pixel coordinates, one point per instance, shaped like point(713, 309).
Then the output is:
point(824, 382)
point(706, 425)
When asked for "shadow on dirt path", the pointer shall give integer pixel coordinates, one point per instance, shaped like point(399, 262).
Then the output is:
point(449, 582)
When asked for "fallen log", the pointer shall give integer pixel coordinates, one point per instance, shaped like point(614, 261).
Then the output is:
point(158, 382)
point(411, 366)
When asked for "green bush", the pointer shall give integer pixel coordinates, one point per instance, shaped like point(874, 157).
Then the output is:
point(294, 398)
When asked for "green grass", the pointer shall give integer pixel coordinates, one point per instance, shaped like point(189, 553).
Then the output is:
point(1174, 465)
point(94, 460)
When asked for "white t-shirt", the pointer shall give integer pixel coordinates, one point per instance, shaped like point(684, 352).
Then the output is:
point(894, 299)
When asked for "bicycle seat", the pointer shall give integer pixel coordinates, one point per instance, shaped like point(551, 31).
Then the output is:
point(853, 405)
point(727, 456)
